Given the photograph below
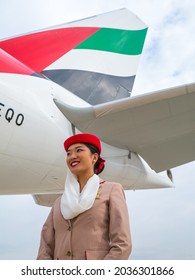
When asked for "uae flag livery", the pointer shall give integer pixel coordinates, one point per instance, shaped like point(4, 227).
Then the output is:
point(95, 58)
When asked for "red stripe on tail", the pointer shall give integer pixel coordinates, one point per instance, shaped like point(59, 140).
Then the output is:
point(39, 50)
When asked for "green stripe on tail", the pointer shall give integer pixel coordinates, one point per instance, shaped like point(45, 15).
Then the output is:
point(129, 42)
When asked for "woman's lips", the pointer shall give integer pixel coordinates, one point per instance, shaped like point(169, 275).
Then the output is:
point(74, 163)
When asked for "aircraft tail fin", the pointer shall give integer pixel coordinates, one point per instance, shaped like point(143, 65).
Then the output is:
point(95, 58)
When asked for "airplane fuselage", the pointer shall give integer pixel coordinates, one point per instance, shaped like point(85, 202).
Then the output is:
point(33, 130)
point(32, 135)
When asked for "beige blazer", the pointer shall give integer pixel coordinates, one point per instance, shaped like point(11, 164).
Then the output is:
point(101, 232)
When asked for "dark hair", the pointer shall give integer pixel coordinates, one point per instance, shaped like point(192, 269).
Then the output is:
point(98, 167)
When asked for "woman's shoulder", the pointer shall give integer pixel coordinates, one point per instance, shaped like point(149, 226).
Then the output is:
point(115, 191)
point(109, 185)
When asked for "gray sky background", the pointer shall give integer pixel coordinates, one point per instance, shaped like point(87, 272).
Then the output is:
point(162, 221)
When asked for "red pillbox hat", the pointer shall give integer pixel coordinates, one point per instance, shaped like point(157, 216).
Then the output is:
point(83, 138)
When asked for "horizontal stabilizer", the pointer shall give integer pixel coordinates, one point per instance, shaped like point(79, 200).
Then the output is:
point(159, 126)
point(45, 199)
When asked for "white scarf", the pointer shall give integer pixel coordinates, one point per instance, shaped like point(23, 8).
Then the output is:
point(73, 202)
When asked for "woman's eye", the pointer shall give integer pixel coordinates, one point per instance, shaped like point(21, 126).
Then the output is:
point(79, 150)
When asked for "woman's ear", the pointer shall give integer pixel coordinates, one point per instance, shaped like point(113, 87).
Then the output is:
point(95, 157)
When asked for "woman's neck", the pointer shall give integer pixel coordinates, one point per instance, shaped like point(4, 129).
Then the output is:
point(82, 179)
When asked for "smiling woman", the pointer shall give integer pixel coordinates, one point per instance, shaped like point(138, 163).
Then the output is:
point(89, 148)
point(169, 48)
point(90, 220)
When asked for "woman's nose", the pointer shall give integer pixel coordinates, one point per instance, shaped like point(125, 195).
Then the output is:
point(72, 155)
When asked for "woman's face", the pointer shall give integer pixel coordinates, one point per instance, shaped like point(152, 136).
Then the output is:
point(80, 160)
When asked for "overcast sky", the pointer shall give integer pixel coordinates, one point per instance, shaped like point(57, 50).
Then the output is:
point(162, 221)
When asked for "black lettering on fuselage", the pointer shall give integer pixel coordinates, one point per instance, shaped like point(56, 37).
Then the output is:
point(1, 104)
point(10, 115)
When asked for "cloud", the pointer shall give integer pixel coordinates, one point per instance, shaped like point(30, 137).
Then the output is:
point(161, 220)
point(21, 223)
point(169, 47)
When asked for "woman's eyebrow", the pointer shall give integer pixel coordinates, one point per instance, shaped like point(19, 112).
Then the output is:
point(79, 146)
